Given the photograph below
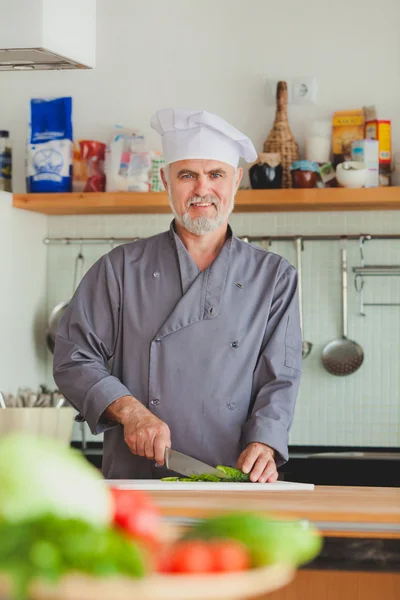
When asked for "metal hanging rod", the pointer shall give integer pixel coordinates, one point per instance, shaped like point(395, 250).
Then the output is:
point(83, 240)
point(249, 238)
point(377, 270)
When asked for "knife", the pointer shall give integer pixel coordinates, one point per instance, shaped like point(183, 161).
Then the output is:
point(187, 466)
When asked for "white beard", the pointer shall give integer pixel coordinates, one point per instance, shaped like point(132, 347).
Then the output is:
point(202, 225)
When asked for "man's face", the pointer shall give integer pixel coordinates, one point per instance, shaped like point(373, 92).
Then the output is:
point(201, 193)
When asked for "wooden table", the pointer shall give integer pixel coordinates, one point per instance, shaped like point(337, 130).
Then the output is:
point(337, 511)
point(363, 520)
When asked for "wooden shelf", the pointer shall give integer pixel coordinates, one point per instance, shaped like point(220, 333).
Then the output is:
point(329, 199)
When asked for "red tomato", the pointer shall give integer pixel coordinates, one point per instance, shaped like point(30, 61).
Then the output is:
point(191, 557)
point(229, 555)
point(200, 556)
point(136, 513)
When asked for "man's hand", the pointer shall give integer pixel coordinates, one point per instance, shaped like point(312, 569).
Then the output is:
point(145, 434)
point(258, 460)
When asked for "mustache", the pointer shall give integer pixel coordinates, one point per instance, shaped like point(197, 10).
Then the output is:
point(208, 199)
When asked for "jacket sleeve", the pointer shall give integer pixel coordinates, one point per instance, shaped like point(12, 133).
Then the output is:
point(278, 370)
point(85, 342)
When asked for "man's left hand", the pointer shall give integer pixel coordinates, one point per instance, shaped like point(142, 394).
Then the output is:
point(258, 460)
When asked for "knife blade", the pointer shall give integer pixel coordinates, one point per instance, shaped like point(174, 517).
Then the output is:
point(187, 466)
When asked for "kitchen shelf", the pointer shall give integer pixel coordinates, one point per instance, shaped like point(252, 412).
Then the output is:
point(328, 199)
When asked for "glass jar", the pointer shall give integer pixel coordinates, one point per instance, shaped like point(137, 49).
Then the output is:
point(304, 174)
point(318, 142)
point(267, 172)
point(5, 162)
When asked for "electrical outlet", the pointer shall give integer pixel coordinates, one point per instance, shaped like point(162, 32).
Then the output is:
point(304, 90)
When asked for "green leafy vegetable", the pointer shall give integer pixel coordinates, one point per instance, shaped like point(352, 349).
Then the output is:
point(234, 475)
point(41, 476)
point(50, 547)
point(268, 540)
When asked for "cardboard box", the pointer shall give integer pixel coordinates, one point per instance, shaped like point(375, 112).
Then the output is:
point(348, 126)
point(377, 129)
point(367, 151)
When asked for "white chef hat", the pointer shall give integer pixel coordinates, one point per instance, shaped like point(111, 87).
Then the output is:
point(190, 134)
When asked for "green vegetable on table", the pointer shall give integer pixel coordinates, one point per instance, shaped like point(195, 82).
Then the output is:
point(234, 475)
point(41, 476)
point(56, 517)
point(268, 540)
point(50, 547)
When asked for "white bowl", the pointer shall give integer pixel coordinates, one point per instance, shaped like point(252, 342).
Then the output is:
point(355, 177)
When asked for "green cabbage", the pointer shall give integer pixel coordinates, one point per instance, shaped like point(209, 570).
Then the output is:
point(40, 476)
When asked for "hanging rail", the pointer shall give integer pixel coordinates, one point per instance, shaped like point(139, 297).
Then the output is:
point(249, 238)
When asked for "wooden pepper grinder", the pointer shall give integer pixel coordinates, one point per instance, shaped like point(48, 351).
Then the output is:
point(281, 139)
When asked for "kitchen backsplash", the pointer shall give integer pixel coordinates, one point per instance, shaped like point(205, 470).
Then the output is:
point(362, 409)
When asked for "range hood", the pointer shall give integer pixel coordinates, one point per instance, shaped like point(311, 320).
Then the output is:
point(47, 34)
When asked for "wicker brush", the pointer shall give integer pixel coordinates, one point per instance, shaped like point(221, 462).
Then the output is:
point(281, 139)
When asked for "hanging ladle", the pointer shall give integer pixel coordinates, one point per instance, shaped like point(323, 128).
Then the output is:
point(343, 356)
point(306, 346)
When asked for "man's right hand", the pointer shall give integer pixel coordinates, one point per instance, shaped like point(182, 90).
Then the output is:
point(145, 434)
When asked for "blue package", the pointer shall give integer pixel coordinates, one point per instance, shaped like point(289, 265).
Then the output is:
point(49, 149)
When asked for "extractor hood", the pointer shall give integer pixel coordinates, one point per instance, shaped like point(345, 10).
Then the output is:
point(47, 34)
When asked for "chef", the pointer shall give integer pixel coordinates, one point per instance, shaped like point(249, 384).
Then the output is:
point(202, 328)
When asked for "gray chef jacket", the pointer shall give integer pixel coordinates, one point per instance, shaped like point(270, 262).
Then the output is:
point(216, 354)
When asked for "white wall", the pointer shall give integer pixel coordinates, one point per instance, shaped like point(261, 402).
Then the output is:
point(22, 297)
point(218, 55)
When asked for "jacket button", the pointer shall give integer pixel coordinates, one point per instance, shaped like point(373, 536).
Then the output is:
point(232, 406)
point(156, 274)
point(155, 402)
point(235, 344)
point(159, 339)
point(239, 285)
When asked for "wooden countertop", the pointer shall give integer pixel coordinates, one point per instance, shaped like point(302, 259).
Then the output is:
point(337, 511)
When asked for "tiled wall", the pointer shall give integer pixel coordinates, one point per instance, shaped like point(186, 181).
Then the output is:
point(361, 409)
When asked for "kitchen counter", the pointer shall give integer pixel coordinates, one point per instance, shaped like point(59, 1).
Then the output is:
point(337, 511)
point(360, 559)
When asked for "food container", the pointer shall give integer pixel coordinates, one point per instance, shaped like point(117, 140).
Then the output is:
point(304, 174)
point(51, 422)
point(381, 131)
point(348, 126)
point(367, 152)
point(318, 142)
point(88, 166)
point(267, 172)
point(352, 174)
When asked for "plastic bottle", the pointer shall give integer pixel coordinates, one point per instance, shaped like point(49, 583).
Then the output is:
point(5, 162)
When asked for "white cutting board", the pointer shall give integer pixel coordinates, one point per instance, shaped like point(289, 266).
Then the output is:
point(156, 485)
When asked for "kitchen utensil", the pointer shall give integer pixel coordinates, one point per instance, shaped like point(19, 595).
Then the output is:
point(39, 421)
point(343, 356)
point(352, 174)
point(187, 466)
point(61, 402)
point(281, 140)
point(59, 310)
point(306, 346)
point(158, 485)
